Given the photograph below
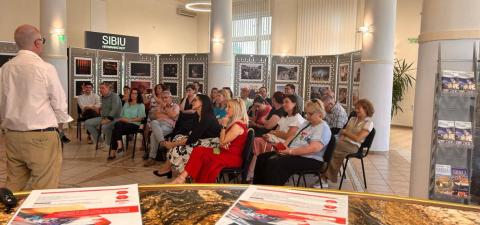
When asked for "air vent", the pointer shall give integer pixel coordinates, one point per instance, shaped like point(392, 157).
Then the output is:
point(184, 12)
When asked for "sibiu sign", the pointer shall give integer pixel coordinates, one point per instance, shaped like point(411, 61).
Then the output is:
point(111, 42)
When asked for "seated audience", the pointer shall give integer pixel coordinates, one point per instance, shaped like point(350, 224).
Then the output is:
point(263, 92)
point(156, 99)
point(244, 95)
point(351, 137)
point(287, 128)
point(336, 116)
point(89, 104)
point(290, 90)
point(220, 107)
point(133, 112)
point(166, 115)
point(206, 163)
point(124, 97)
point(273, 117)
point(213, 94)
point(204, 131)
point(262, 109)
point(229, 91)
point(198, 88)
point(110, 111)
point(305, 151)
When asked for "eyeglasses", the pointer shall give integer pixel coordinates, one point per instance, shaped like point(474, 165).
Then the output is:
point(42, 39)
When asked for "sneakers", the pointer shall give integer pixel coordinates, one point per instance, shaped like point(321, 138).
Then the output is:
point(149, 163)
point(324, 184)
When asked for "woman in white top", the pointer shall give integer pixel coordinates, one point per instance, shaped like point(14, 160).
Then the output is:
point(286, 130)
point(351, 137)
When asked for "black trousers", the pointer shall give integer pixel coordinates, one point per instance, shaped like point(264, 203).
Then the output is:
point(120, 129)
point(275, 169)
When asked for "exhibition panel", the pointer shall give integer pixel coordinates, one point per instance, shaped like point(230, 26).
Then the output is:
point(321, 75)
point(7, 51)
point(110, 69)
point(171, 73)
point(141, 71)
point(82, 68)
point(288, 69)
point(251, 71)
point(195, 67)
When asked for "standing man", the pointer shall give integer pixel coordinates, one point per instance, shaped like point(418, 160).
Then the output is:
point(110, 111)
point(290, 90)
point(32, 104)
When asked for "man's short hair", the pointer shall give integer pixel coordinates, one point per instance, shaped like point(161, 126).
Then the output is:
point(327, 98)
point(167, 93)
point(108, 84)
point(88, 83)
point(290, 86)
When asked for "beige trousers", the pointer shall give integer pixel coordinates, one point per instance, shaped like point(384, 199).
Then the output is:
point(342, 149)
point(34, 156)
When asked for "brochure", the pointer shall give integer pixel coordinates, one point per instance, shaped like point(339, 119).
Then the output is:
point(269, 205)
point(450, 80)
point(443, 184)
point(461, 184)
point(446, 131)
point(109, 205)
point(463, 132)
point(466, 81)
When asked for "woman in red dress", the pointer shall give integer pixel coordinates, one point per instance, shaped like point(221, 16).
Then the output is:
point(205, 163)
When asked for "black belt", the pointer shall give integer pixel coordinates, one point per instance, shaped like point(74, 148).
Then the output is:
point(39, 130)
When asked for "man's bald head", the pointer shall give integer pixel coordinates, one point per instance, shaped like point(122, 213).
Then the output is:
point(25, 36)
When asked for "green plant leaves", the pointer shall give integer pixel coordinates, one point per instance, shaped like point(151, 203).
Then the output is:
point(402, 80)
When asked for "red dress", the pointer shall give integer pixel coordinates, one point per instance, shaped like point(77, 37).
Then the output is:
point(204, 166)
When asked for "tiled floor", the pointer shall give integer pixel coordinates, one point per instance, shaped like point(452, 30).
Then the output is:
point(387, 173)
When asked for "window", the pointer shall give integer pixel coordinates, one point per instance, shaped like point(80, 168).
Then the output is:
point(252, 35)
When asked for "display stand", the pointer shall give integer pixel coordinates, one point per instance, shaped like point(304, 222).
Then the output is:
point(140, 70)
point(288, 70)
point(110, 68)
point(82, 64)
point(454, 114)
point(171, 73)
point(251, 71)
point(320, 75)
point(195, 67)
point(8, 50)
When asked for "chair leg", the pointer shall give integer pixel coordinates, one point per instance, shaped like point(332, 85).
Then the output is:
point(80, 131)
point(298, 180)
point(78, 125)
point(98, 139)
point(320, 180)
point(134, 144)
point(343, 174)
point(304, 181)
point(363, 170)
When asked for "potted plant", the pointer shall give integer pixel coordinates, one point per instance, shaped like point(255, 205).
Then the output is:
point(402, 80)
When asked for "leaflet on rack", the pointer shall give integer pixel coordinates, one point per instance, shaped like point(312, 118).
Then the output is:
point(96, 205)
point(268, 205)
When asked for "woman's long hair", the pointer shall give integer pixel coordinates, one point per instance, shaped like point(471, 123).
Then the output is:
point(139, 96)
point(239, 110)
point(207, 109)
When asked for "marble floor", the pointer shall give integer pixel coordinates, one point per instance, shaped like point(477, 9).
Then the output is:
point(387, 172)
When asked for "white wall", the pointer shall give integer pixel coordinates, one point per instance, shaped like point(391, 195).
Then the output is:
point(284, 27)
point(408, 26)
point(17, 12)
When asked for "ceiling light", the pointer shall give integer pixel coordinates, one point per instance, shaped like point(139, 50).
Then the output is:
point(199, 5)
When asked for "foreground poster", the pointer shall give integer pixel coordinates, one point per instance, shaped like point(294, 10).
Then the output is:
point(87, 206)
point(267, 205)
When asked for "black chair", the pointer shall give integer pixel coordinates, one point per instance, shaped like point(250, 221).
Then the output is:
point(140, 130)
point(98, 136)
point(80, 120)
point(360, 154)
point(247, 154)
point(327, 157)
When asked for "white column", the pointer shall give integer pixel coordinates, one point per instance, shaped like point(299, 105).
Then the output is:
point(455, 24)
point(220, 63)
point(377, 66)
point(53, 22)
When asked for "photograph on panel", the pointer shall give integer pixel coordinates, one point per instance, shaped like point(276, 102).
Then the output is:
point(83, 66)
point(251, 72)
point(253, 88)
point(5, 58)
point(170, 70)
point(140, 69)
point(110, 67)
point(355, 95)
point(356, 72)
point(141, 85)
point(343, 95)
point(320, 73)
point(343, 71)
point(287, 73)
point(281, 87)
point(317, 91)
point(195, 71)
point(79, 84)
point(173, 86)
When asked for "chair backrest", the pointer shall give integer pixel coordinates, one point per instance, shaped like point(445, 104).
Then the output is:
point(367, 143)
point(247, 153)
point(79, 112)
point(327, 156)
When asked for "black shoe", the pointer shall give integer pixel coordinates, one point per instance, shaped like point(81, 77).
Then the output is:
point(111, 157)
point(65, 140)
point(168, 174)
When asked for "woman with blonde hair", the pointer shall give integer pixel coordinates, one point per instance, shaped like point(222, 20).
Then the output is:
point(205, 163)
point(221, 100)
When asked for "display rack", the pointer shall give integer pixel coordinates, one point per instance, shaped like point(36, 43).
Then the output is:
point(453, 141)
point(244, 64)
